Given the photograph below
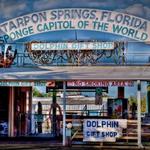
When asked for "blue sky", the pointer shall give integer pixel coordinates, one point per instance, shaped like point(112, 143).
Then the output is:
point(14, 8)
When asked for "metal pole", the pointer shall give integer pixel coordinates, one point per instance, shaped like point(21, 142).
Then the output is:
point(64, 113)
point(11, 113)
point(139, 113)
point(54, 121)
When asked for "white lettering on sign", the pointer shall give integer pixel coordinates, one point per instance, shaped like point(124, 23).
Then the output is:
point(102, 83)
point(22, 83)
point(102, 130)
point(78, 19)
point(73, 46)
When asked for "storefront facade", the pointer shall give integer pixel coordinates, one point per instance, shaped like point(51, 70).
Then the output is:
point(98, 54)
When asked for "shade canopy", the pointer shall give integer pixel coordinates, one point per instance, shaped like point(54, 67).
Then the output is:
point(76, 73)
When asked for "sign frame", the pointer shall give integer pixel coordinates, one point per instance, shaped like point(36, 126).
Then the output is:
point(103, 130)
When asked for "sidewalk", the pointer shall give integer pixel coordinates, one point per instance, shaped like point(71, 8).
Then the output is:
point(58, 146)
point(22, 143)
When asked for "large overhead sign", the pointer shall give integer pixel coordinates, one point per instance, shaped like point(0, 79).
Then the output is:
point(103, 130)
point(78, 19)
point(73, 46)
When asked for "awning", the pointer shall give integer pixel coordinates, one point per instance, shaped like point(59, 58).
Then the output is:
point(76, 73)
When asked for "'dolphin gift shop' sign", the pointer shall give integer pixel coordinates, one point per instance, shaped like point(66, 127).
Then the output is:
point(78, 19)
point(73, 46)
point(103, 130)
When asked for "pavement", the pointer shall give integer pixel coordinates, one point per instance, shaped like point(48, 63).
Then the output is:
point(28, 143)
point(58, 146)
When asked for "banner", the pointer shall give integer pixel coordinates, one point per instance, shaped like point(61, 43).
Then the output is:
point(103, 130)
point(78, 19)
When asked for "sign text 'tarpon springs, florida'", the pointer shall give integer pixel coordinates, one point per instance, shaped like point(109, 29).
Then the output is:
point(78, 19)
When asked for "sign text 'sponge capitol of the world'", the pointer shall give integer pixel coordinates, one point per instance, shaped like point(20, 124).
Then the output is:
point(78, 19)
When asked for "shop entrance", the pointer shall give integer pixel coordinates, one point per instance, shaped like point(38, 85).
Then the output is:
point(38, 111)
point(106, 104)
point(22, 110)
point(4, 111)
point(46, 113)
point(15, 103)
point(93, 100)
point(29, 112)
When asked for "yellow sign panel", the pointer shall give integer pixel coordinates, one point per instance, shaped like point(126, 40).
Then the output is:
point(143, 105)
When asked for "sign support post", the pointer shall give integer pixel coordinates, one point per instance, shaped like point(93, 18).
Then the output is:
point(64, 113)
point(11, 113)
point(139, 113)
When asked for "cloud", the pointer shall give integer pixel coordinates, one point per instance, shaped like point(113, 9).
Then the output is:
point(47, 4)
point(1, 32)
point(147, 12)
point(129, 7)
point(14, 8)
point(11, 9)
point(103, 4)
point(137, 10)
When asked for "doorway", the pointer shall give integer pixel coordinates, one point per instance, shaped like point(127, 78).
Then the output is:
point(4, 96)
